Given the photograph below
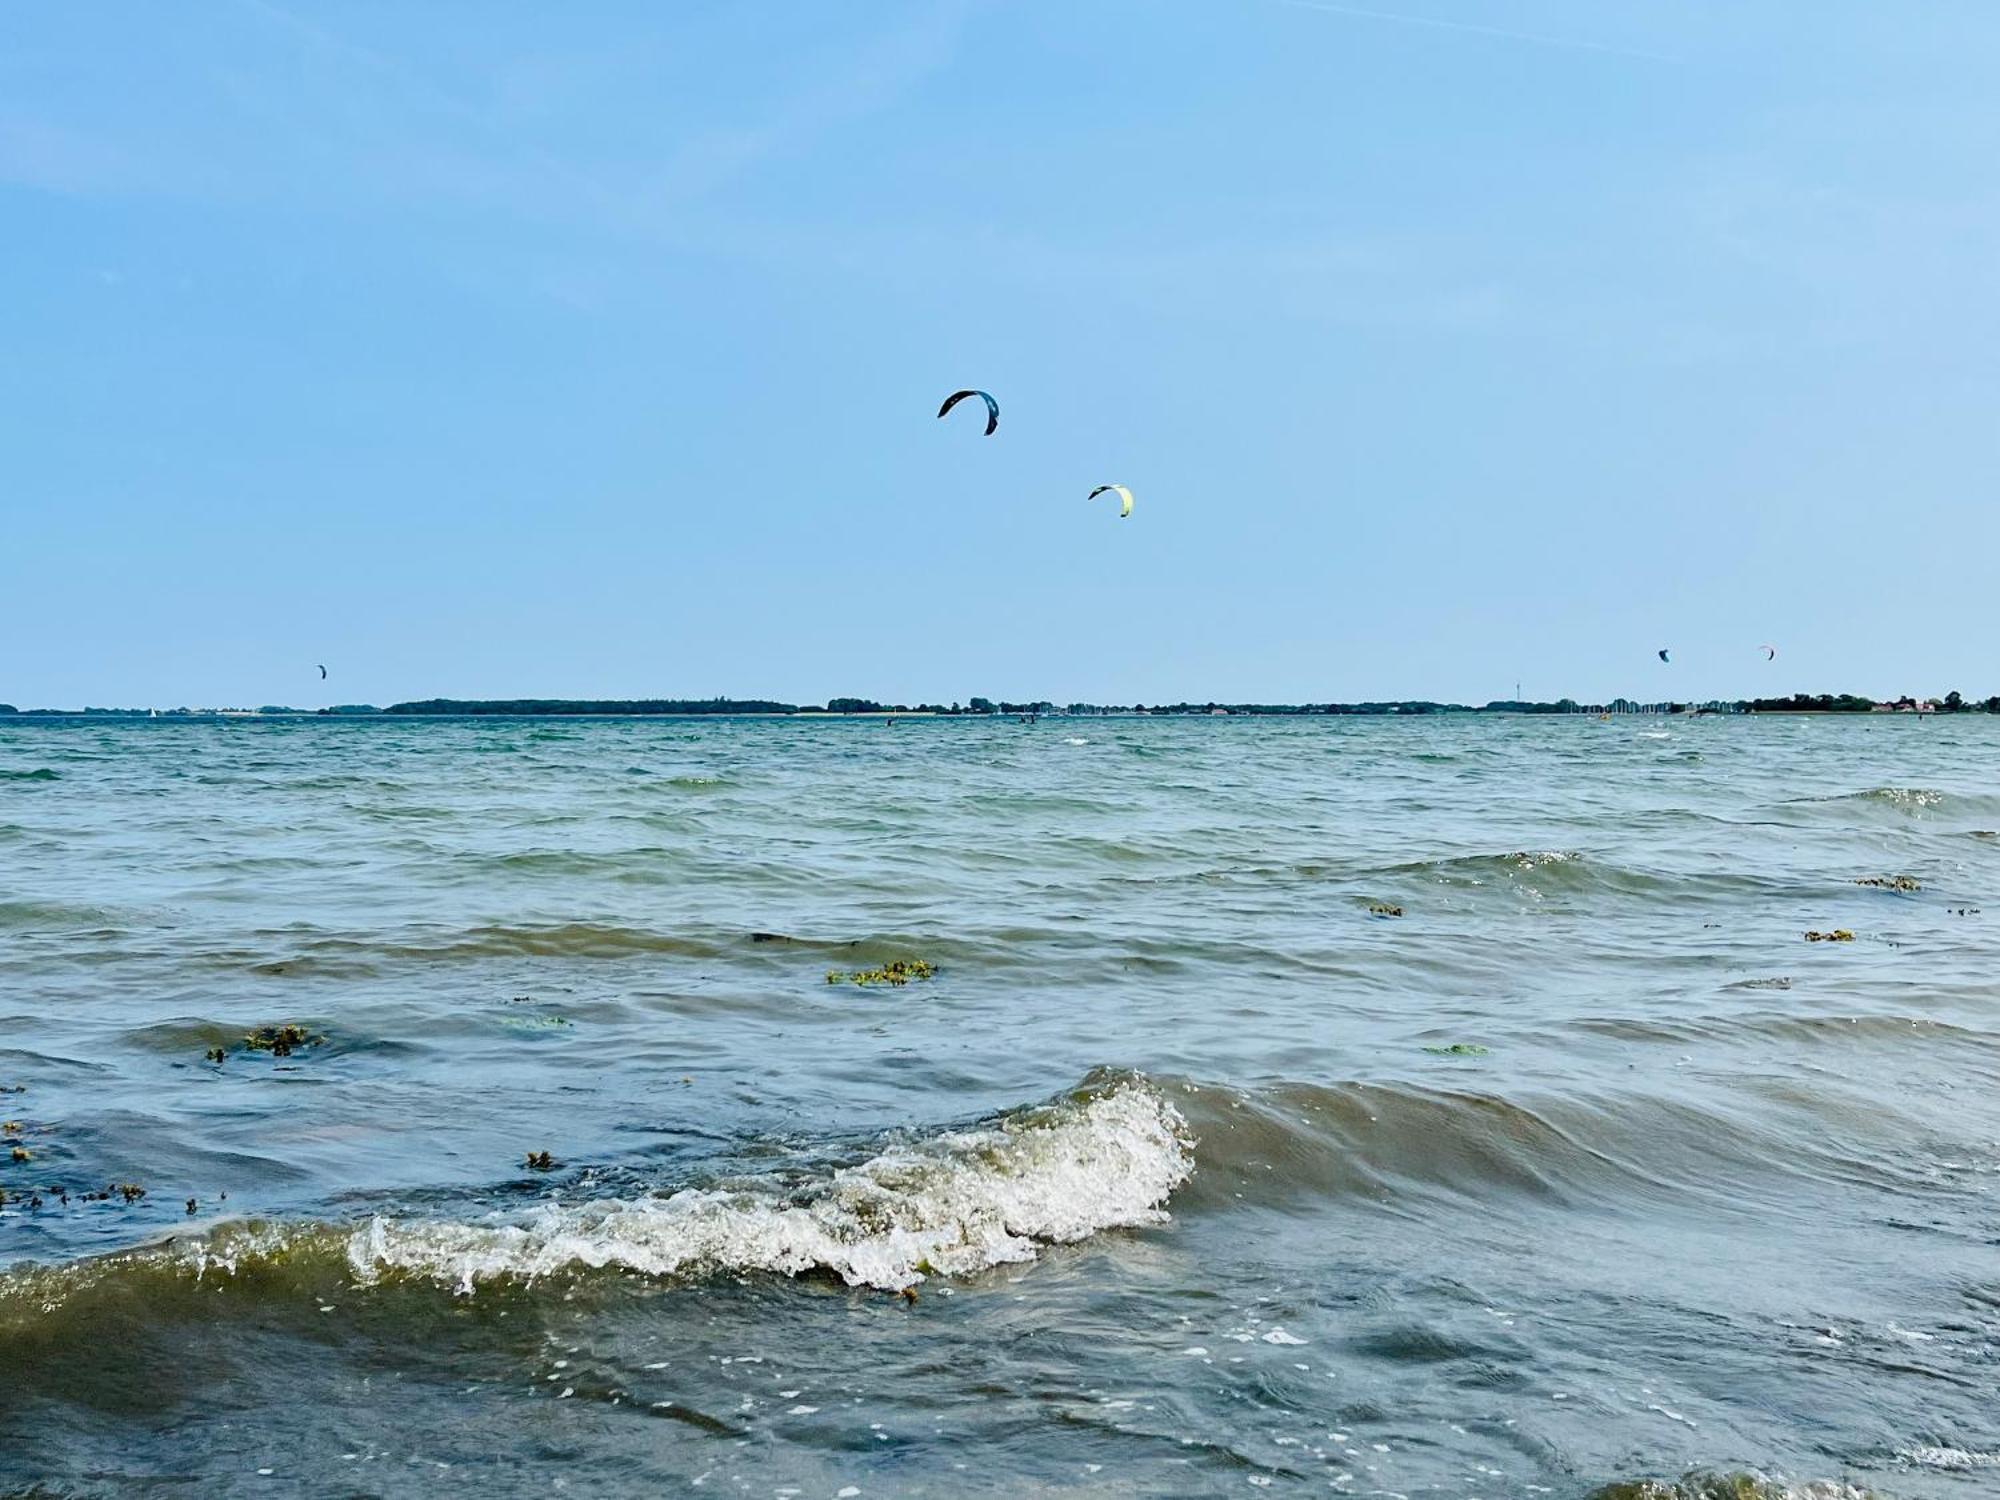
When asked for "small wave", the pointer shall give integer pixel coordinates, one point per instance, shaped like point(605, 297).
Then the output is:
point(1711, 1486)
point(342, 954)
point(45, 914)
point(1794, 1031)
point(1908, 801)
point(1901, 796)
point(1474, 869)
point(291, 954)
point(1405, 1143)
point(1558, 874)
point(547, 863)
point(41, 773)
point(950, 1205)
point(1537, 873)
point(1931, 1457)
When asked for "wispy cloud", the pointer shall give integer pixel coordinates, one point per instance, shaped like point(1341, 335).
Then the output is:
point(1438, 23)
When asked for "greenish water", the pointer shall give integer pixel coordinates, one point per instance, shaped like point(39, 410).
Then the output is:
point(1207, 1176)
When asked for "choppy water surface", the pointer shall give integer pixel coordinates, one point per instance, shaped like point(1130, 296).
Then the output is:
point(1192, 1193)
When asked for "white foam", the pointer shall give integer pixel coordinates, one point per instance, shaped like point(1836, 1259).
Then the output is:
point(1949, 1458)
point(949, 1205)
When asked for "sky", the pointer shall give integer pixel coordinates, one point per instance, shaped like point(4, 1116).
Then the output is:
point(490, 349)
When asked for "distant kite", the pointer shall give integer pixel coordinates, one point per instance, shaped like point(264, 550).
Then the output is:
point(1770, 652)
point(992, 407)
point(322, 670)
point(1124, 497)
point(1663, 655)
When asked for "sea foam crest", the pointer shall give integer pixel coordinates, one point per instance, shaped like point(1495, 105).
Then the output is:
point(948, 1205)
point(1932, 1456)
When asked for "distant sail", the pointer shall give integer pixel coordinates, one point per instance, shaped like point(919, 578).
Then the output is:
point(1663, 655)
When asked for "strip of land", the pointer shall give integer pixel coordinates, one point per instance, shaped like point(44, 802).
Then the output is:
point(1798, 703)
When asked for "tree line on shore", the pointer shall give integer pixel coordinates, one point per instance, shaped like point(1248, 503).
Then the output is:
point(1949, 703)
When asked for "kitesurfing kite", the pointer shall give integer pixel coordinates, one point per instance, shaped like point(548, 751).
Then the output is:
point(322, 670)
point(1663, 655)
point(1124, 497)
point(992, 407)
point(1770, 652)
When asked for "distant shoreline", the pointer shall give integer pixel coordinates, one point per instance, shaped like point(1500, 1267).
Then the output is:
point(982, 708)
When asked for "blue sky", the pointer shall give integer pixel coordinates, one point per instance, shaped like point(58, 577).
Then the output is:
point(493, 349)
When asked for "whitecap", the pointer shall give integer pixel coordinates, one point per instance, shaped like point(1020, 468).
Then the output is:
point(952, 1204)
point(1934, 1457)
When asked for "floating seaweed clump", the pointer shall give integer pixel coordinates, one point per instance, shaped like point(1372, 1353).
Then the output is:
point(897, 971)
point(281, 1041)
point(1459, 1049)
point(1838, 935)
point(1701, 1486)
point(541, 1161)
point(1383, 909)
point(22, 1153)
point(131, 1192)
point(1890, 882)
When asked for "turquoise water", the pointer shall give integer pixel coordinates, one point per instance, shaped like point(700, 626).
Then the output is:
point(1173, 1150)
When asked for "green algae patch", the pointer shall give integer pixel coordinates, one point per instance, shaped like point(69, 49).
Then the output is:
point(1838, 935)
point(541, 1161)
point(1902, 883)
point(896, 972)
point(528, 1021)
point(282, 1041)
point(1458, 1049)
point(1700, 1486)
point(279, 1041)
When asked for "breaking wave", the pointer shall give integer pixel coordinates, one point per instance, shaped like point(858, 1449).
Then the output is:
point(1932, 1457)
point(949, 1205)
point(954, 1203)
point(1710, 1486)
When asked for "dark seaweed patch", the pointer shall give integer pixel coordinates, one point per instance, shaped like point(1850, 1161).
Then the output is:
point(282, 1041)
